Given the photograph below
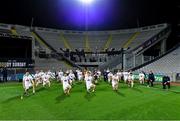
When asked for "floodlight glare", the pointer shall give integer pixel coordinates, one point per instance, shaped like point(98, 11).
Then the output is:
point(86, 1)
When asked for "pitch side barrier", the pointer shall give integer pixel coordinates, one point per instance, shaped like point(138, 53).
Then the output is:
point(12, 77)
point(158, 77)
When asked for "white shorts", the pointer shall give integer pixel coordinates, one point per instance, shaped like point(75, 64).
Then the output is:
point(80, 77)
point(66, 86)
point(45, 81)
point(27, 85)
point(109, 80)
point(88, 86)
point(114, 84)
point(125, 78)
point(141, 79)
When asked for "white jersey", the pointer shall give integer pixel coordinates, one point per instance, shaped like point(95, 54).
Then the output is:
point(60, 75)
point(125, 75)
point(71, 76)
point(41, 74)
point(27, 80)
point(65, 82)
point(119, 74)
point(115, 80)
point(46, 77)
point(80, 75)
point(52, 75)
point(36, 76)
point(130, 77)
point(141, 76)
point(88, 80)
point(110, 75)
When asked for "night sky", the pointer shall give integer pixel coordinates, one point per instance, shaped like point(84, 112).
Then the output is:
point(119, 14)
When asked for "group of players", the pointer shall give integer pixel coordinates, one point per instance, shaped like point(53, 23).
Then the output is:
point(68, 77)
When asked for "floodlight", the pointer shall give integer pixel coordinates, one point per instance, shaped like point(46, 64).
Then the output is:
point(86, 1)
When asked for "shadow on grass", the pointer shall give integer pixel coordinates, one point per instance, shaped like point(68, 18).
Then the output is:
point(89, 96)
point(78, 90)
point(12, 99)
point(78, 83)
point(61, 98)
point(137, 90)
point(19, 97)
point(40, 89)
point(173, 91)
point(124, 87)
point(102, 89)
point(120, 94)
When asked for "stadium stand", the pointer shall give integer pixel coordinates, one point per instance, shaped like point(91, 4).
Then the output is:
point(167, 65)
point(77, 40)
point(66, 42)
point(52, 64)
point(139, 38)
point(94, 40)
point(52, 38)
point(5, 28)
point(58, 41)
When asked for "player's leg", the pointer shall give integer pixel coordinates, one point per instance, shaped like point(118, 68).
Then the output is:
point(140, 80)
point(49, 83)
point(69, 89)
point(143, 81)
point(33, 86)
point(93, 87)
point(132, 83)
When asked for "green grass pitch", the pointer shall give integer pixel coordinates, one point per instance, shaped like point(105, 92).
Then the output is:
point(138, 103)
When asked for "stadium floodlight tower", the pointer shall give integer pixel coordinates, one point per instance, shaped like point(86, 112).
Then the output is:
point(87, 1)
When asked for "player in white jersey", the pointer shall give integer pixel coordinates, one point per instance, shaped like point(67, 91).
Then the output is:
point(46, 79)
point(36, 77)
point(80, 75)
point(66, 84)
point(125, 76)
point(28, 83)
point(60, 74)
point(141, 78)
point(115, 82)
point(119, 74)
point(89, 82)
point(71, 77)
point(51, 74)
point(131, 80)
point(110, 75)
point(40, 78)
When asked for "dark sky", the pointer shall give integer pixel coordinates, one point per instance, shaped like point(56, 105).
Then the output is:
point(45, 13)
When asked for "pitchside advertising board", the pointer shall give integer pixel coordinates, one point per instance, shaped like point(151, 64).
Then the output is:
point(17, 63)
point(158, 78)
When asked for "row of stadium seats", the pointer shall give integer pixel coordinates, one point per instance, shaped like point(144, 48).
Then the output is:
point(99, 42)
point(89, 41)
point(52, 64)
point(168, 65)
point(129, 38)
